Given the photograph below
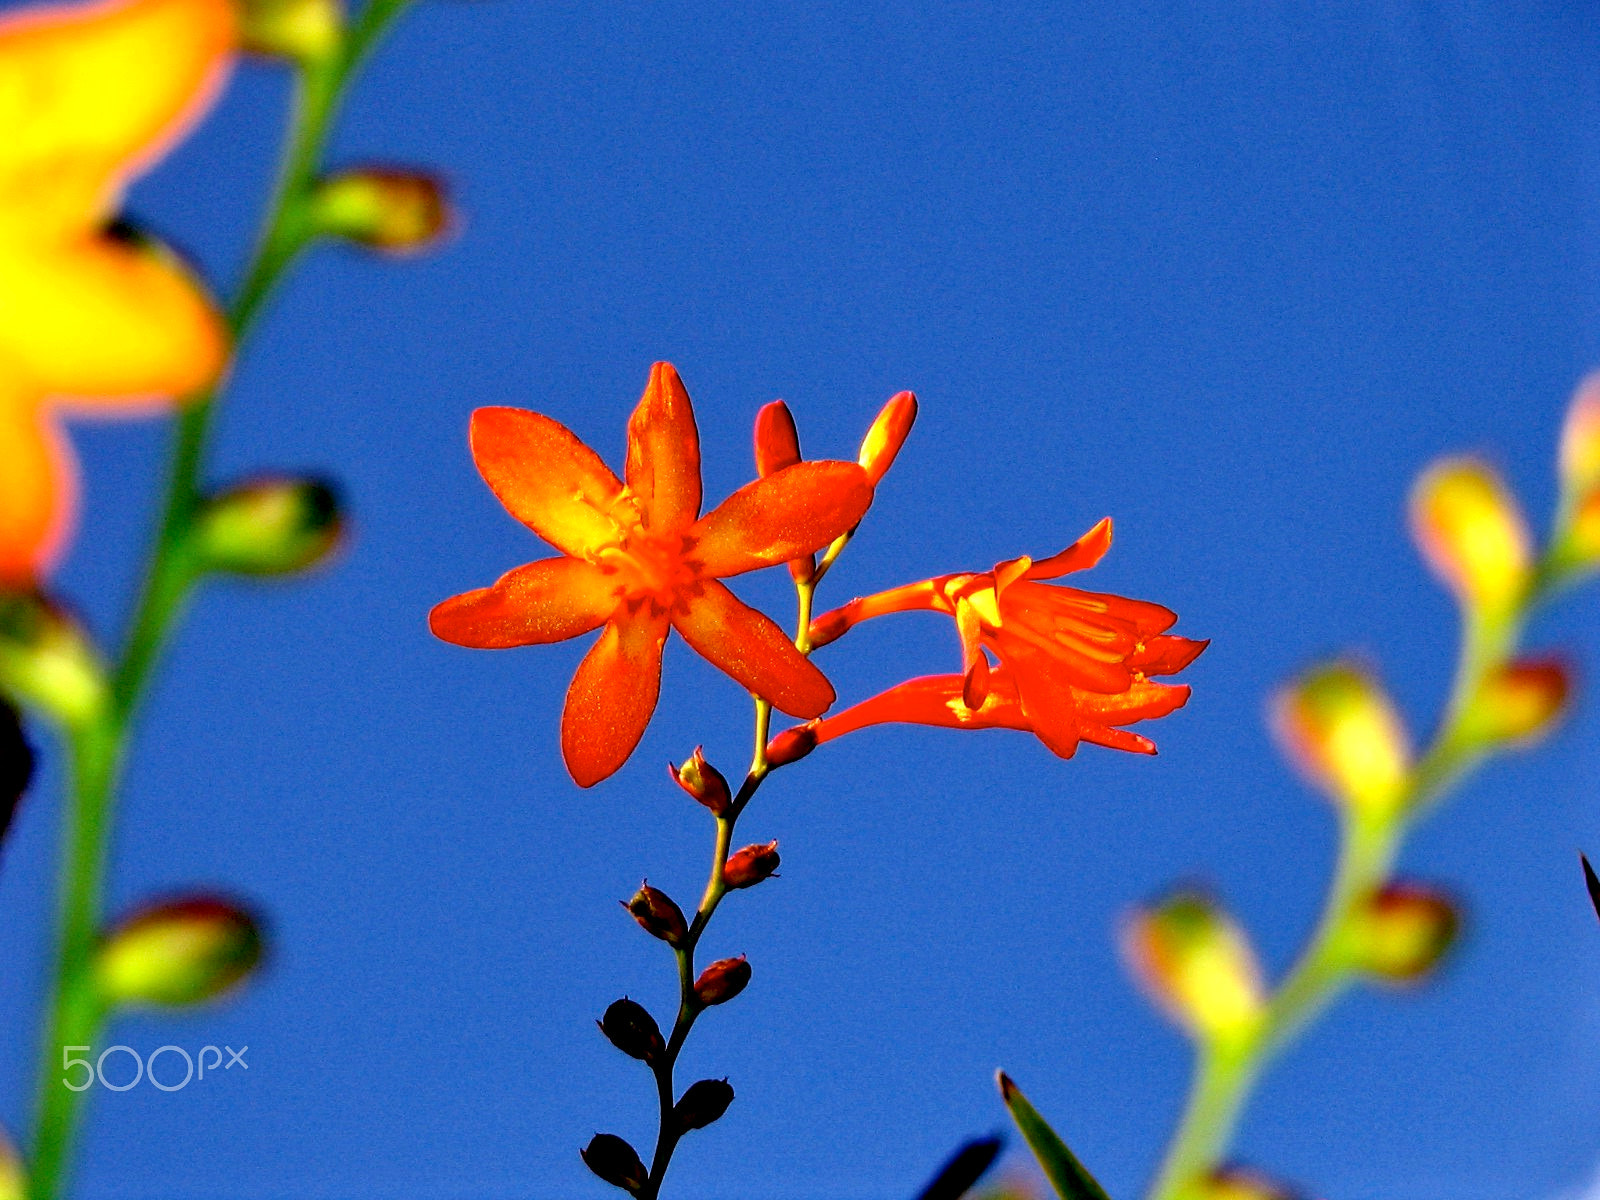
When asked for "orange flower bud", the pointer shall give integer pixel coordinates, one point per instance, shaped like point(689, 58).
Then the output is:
point(777, 441)
point(1518, 702)
point(396, 211)
point(305, 31)
point(703, 1103)
point(178, 953)
point(1196, 964)
point(1472, 534)
point(269, 526)
point(1237, 1183)
point(750, 866)
point(657, 914)
point(631, 1029)
point(722, 981)
point(616, 1162)
point(47, 661)
point(13, 1175)
point(1340, 730)
point(887, 435)
point(1403, 931)
point(704, 782)
point(792, 745)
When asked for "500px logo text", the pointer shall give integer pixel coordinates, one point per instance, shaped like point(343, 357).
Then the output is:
point(194, 1068)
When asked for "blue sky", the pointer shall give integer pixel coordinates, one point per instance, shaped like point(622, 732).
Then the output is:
point(1232, 276)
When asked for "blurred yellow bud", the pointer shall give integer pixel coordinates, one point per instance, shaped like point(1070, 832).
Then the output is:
point(1518, 702)
point(305, 31)
point(1577, 542)
point(1402, 931)
point(178, 953)
point(1238, 1183)
point(1580, 439)
point(13, 1175)
point(393, 210)
point(47, 661)
point(888, 433)
point(269, 527)
point(1196, 964)
point(1472, 534)
point(1339, 729)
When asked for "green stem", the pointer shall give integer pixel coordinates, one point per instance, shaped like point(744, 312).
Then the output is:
point(97, 749)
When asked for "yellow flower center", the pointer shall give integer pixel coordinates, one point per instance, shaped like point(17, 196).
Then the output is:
point(648, 567)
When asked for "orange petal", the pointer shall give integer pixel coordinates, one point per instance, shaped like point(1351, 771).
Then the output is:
point(800, 509)
point(748, 646)
point(611, 697)
point(1080, 556)
point(102, 320)
point(929, 700)
point(546, 601)
point(546, 478)
point(1168, 654)
point(37, 493)
point(1143, 701)
point(663, 468)
point(777, 440)
point(1066, 656)
point(1118, 739)
point(90, 95)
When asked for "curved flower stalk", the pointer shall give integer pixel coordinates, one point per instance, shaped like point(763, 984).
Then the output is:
point(639, 560)
point(1341, 732)
point(93, 320)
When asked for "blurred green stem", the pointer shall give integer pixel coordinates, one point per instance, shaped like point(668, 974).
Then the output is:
point(98, 746)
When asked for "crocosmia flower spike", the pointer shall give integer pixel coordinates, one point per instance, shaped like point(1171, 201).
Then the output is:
point(89, 98)
point(639, 560)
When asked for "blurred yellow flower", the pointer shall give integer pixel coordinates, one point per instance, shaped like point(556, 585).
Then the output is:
point(89, 98)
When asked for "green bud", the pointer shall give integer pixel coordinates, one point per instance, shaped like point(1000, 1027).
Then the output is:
point(47, 661)
point(304, 31)
point(269, 526)
point(178, 953)
point(395, 211)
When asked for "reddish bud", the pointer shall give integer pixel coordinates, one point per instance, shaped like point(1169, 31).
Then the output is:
point(750, 866)
point(1403, 931)
point(792, 745)
point(703, 1103)
point(178, 953)
point(616, 1162)
point(704, 782)
point(632, 1030)
point(722, 981)
point(777, 442)
point(395, 211)
point(1518, 702)
point(887, 435)
point(657, 914)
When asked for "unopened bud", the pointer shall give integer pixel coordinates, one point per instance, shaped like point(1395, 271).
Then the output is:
point(13, 1175)
point(48, 662)
point(1580, 439)
point(704, 782)
point(271, 526)
point(304, 31)
point(1471, 533)
point(831, 626)
point(614, 1161)
point(1577, 541)
point(887, 435)
point(178, 953)
point(16, 767)
point(777, 441)
point(657, 914)
point(1196, 964)
point(396, 211)
point(632, 1030)
point(748, 867)
point(1518, 702)
point(703, 1103)
point(1237, 1183)
point(722, 981)
point(792, 745)
point(1340, 730)
point(1402, 931)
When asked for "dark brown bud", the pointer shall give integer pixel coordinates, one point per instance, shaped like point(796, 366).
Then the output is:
point(722, 981)
point(703, 1103)
point(616, 1162)
point(704, 782)
point(632, 1030)
point(791, 745)
point(750, 866)
point(657, 914)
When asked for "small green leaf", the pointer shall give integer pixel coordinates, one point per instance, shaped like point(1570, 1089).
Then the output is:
point(1065, 1173)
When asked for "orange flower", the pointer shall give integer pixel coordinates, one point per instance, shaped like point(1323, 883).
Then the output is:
point(1073, 664)
point(89, 98)
point(638, 559)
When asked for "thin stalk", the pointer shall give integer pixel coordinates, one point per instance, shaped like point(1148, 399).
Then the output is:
point(97, 748)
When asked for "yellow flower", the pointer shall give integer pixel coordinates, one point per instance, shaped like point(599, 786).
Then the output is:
point(89, 98)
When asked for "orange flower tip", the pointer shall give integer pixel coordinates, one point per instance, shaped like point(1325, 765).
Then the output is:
point(302, 31)
point(1472, 534)
point(777, 441)
point(792, 744)
point(394, 210)
point(887, 434)
point(1083, 554)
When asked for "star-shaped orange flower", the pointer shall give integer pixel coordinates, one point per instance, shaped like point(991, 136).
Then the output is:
point(90, 97)
point(640, 560)
point(1074, 664)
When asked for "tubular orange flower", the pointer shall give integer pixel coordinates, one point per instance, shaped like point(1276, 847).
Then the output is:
point(89, 97)
point(639, 559)
point(1073, 664)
